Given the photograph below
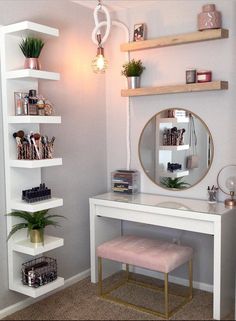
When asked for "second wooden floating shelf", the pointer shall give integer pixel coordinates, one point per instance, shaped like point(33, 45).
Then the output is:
point(180, 39)
point(174, 89)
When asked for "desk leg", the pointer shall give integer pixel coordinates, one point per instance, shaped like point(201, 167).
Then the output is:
point(101, 230)
point(224, 266)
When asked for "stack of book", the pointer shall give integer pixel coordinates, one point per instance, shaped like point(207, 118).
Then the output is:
point(125, 181)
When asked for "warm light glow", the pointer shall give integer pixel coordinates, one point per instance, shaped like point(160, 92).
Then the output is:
point(231, 183)
point(99, 63)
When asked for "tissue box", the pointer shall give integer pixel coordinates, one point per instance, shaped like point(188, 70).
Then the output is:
point(125, 181)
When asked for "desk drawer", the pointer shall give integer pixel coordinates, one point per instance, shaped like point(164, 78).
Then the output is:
point(159, 219)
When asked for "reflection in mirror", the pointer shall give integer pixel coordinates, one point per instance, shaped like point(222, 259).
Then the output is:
point(176, 149)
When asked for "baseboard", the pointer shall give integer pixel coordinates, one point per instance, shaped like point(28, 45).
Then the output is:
point(25, 303)
point(174, 279)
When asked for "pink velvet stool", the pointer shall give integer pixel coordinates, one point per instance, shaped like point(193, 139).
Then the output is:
point(152, 254)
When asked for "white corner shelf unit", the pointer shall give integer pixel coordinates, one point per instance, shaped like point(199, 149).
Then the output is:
point(24, 174)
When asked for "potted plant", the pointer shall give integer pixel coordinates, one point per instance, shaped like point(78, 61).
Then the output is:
point(175, 183)
point(132, 70)
point(31, 48)
point(35, 223)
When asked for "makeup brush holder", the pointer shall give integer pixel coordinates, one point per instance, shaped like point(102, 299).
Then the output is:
point(28, 151)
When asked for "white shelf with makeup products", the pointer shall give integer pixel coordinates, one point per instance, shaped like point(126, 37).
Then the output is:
point(22, 174)
point(168, 154)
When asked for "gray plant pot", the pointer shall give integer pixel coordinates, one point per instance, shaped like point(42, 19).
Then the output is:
point(133, 82)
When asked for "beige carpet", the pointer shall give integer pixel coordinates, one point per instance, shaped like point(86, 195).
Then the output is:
point(80, 302)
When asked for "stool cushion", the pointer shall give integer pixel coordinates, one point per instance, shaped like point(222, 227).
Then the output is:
point(151, 254)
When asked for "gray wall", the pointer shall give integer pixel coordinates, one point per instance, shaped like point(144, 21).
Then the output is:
point(80, 139)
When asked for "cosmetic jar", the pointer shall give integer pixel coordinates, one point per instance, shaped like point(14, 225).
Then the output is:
point(204, 76)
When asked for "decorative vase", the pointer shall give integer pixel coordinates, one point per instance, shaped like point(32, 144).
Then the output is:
point(133, 82)
point(209, 18)
point(32, 63)
point(36, 236)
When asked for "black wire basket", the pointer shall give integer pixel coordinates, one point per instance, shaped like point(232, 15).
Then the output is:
point(39, 271)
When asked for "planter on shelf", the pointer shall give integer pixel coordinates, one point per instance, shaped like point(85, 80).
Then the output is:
point(132, 70)
point(35, 223)
point(36, 236)
point(31, 48)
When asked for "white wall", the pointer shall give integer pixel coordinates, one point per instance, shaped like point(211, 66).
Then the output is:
point(167, 66)
point(80, 139)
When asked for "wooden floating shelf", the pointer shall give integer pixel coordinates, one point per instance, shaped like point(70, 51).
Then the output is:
point(174, 89)
point(36, 292)
point(175, 40)
point(27, 247)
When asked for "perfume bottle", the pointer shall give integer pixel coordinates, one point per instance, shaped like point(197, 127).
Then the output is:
point(32, 107)
point(19, 104)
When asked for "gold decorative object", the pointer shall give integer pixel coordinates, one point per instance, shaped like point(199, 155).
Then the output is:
point(226, 180)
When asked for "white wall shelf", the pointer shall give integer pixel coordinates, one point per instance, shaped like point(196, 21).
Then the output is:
point(22, 163)
point(31, 73)
point(15, 79)
point(37, 206)
point(36, 292)
point(27, 247)
point(26, 28)
point(173, 148)
point(175, 174)
point(34, 119)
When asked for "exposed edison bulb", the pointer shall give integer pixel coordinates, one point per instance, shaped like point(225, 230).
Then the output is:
point(99, 63)
point(231, 183)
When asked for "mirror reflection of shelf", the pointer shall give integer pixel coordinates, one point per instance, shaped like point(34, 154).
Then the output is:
point(174, 120)
point(174, 148)
point(180, 173)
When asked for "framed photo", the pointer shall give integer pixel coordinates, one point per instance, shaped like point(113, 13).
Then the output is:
point(139, 32)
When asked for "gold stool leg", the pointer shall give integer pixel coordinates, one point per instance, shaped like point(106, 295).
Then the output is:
point(99, 276)
point(190, 272)
point(166, 297)
point(127, 272)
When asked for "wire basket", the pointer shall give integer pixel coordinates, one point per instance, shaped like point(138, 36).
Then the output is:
point(39, 271)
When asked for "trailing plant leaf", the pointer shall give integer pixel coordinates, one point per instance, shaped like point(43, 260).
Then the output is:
point(34, 221)
point(31, 47)
point(133, 68)
point(174, 182)
point(15, 228)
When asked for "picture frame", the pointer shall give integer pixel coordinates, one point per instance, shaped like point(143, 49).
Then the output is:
point(139, 32)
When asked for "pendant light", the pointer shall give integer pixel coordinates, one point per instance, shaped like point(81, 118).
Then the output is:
point(99, 63)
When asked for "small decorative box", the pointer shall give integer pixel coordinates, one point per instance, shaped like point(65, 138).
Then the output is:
point(125, 181)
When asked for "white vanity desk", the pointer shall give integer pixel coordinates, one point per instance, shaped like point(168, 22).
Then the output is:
point(108, 210)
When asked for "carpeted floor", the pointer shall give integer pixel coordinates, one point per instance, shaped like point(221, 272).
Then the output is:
point(80, 302)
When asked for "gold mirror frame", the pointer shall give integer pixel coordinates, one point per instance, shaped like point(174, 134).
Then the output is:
point(211, 149)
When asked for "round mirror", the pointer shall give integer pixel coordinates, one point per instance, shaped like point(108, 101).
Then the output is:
point(176, 149)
